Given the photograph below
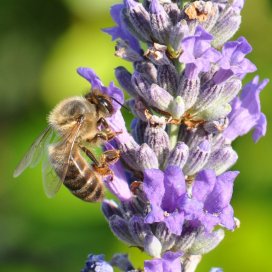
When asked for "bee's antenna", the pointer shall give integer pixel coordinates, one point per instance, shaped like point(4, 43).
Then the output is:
point(120, 104)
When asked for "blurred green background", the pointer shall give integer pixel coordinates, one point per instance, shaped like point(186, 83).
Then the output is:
point(41, 45)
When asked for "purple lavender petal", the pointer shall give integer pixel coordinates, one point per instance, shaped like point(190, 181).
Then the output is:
point(170, 262)
point(119, 186)
point(260, 128)
point(227, 218)
point(174, 185)
point(197, 52)
point(174, 222)
point(203, 185)
point(120, 30)
point(154, 190)
point(246, 111)
point(220, 197)
point(233, 60)
point(91, 76)
point(96, 83)
point(153, 265)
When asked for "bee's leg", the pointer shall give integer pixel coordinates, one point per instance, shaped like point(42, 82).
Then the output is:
point(90, 155)
point(110, 156)
point(102, 121)
point(107, 129)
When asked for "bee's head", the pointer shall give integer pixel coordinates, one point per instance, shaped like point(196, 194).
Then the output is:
point(102, 102)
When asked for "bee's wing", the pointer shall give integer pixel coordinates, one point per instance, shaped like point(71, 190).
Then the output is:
point(51, 181)
point(34, 154)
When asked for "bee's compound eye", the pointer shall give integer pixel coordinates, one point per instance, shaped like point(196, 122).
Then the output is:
point(106, 104)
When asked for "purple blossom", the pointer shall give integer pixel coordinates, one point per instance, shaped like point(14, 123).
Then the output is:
point(198, 53)
point(97, 263)
point(120, 30)
point(233, 61)
point(210, 202)
point(163, 190)
point(246, 112)
point(170, 262)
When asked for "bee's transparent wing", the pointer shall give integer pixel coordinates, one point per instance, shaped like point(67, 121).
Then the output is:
point(51, 181)
point(35, 152)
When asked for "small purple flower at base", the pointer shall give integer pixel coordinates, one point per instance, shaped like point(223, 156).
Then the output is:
point(96, 263)
point(233, 61)
point(118, 185)
point(170, 262)
point(210, 202)
point(198, 53)
point(163, 190)
point(246, 112)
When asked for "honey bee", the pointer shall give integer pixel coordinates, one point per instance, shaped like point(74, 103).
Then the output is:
point(79, 122)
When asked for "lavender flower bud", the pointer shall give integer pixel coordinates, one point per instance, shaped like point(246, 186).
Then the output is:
point(97, 263)
point(178, 32)
point(122, 262)
point(159, 21)
point(119, 227)
point(206, 242)
point(124, 51)
point(152, 246)
point(177, 108)
point(157, 138)
point(139, 19)
point(158, 97)
point(173, 12)
point(157, 54)
point(231, 89)
point(148, 69)
point(141, 84)
point(179, 155)
point(216, 126)
point(226, 26)
point(124, 78)
point(221, 160)
point(198, 158)
point(139, 130)
point(189, 90)
point(208, 96)
point(128, 153)
point(137, 107)
point(216, 112)
point(110, 208)
point(166, 238)
point(139, 230)
point(185, 241)
point(168, 78)
point(146, 158)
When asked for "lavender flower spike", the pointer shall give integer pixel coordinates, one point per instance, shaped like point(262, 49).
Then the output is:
point(172, 181)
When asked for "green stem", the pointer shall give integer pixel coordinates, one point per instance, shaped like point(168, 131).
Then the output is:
point(173, 135)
